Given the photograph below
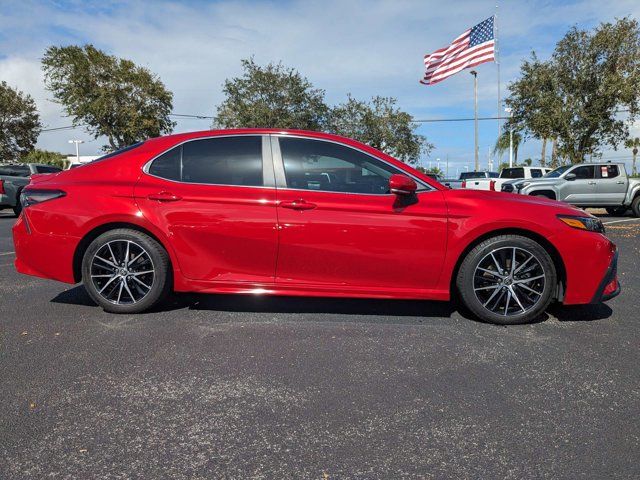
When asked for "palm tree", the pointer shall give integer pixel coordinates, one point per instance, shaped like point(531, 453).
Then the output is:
point(633, 143)
point(502, 144)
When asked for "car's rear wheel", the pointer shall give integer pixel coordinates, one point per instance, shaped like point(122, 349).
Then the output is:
point(126, 271)
point(635, 206)
point(507, 279)
point(616, 211)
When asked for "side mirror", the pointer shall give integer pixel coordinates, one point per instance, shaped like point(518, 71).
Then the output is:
point(402, 185)
point(570, 176)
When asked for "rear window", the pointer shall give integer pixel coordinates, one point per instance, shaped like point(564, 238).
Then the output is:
point(468, 175)
point(517, 172)
point(15, 171)
point(42, 169)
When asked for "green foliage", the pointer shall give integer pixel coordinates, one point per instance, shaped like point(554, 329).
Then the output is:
point(527, 161)
point(109, 95)
point(274, 96)
point(575, 97)
point(502, 166)
point(19, 123)
point(46, 157)
point(271, 97)
point(504, 140)
point(380, 124)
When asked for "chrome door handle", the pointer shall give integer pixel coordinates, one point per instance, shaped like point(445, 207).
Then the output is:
point(592, 183)
point(299, 204)
point(164, 197)
point(620, 182)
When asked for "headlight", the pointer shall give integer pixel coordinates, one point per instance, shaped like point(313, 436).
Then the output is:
point(591, 224)
point(31, 196)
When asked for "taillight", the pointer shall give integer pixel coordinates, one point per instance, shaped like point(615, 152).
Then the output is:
point(1, 187)
point(464, 184)
point(32, 196)
point(492, 185)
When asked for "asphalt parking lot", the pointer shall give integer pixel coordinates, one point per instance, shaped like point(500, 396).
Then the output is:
point(249, 387)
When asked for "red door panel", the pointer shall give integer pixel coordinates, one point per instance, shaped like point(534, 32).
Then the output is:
point(331, 238)
point(219, 233)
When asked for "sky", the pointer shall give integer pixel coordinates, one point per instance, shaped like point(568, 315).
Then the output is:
point(361, 47)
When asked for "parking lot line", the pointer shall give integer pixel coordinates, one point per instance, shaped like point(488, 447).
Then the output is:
point(7, 253)
point(619, 221)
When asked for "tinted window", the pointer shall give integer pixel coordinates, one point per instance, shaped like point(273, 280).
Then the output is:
point(584, 172)
point(468, 175)
point(494, 175)
point(536, 173)
point(609, 171)
point(41, 169)
point(220, 161)
point(167, 165)
point(119, 151)
point(15, 171)
point(512, 173)
point(318, 165)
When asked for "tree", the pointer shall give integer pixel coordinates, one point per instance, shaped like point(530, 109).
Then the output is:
point(19, 123)
point(111, 96)
point(46, 157)
point(380, 124)
point(575, 97)
point(633, 144)
point(528, 162)
point(271, 97)
point(504, 141)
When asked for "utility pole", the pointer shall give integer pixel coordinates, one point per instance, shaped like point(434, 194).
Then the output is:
point(475, 118)
point(77, 142)
point(510, 112)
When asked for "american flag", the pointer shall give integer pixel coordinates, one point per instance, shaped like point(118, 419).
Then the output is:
point(475, 46)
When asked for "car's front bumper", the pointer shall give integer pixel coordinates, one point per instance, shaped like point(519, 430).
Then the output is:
point(610, 285)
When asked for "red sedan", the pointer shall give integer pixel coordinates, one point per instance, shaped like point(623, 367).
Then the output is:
point(302, 213)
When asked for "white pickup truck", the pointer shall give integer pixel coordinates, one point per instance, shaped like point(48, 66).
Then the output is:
point(506, 175)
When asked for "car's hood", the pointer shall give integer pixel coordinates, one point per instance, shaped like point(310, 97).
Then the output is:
point(498, 198)
point(538, 181)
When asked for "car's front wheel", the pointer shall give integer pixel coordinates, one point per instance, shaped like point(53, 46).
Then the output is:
point(126, 271)
point(616, 211)
point(507, 279)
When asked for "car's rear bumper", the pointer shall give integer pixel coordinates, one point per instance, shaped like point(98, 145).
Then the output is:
point(43, 254)
point(610, 285)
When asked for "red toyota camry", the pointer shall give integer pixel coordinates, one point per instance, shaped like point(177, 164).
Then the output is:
point(302, 213)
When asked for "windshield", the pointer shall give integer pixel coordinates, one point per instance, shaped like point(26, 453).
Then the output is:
point(558, 171)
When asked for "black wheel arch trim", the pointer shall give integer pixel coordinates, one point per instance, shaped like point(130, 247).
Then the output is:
point(612, 271)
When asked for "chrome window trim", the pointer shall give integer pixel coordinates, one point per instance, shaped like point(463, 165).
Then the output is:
point(268, 180)
point(281, 181)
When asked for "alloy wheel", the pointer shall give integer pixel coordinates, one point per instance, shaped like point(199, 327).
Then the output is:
point(509, 281)
point(122, 272)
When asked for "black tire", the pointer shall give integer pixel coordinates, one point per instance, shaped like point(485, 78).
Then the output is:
point(18, 208)
point(635, 206)
point(540, 268)
point(616, 211)
point(116, 245)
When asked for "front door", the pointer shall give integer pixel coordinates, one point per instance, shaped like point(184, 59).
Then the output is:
point(581, 190)
point(212, 199)
point(341, 227)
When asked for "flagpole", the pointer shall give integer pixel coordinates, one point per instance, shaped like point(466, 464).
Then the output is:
point(497, 50)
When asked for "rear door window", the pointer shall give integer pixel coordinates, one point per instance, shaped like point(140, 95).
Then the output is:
point(536, 173)
point(215, 161)
point(608, 171)
point(517, 172)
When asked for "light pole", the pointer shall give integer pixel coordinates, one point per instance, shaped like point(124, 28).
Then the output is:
point(510, 112)
point(77, 142)
point(475, 117)
point(438, 164)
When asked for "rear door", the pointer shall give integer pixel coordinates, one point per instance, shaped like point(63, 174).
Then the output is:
point(341, 228)
point(612, 185)
point(214, 198)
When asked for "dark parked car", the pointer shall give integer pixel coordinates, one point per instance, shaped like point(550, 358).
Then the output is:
point(14, 177)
